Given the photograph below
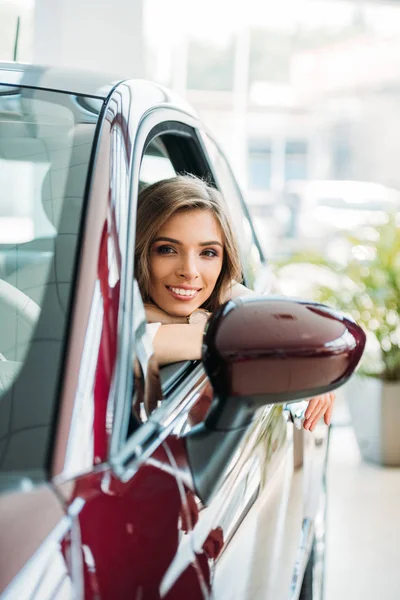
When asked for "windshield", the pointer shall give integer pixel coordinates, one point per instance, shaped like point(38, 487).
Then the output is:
point(46, 140)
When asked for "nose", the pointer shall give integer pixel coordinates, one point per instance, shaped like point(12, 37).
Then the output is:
point(188, 268)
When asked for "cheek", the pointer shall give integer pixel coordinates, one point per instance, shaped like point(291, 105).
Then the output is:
point(213, 271)
point(157, 269)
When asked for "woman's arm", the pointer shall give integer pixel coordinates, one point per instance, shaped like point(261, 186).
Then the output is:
point(176, 342)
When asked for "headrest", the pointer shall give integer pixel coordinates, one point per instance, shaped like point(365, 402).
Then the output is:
point(66, 157)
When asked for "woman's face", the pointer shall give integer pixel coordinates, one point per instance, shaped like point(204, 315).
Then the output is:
point(185, 261)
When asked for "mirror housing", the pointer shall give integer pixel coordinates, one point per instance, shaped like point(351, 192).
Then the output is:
point(275, 350)
point(265, 350)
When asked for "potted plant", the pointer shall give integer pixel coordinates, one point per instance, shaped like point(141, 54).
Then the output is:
point(367, 286)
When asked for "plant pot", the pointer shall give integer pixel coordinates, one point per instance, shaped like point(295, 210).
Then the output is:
point(375, 412)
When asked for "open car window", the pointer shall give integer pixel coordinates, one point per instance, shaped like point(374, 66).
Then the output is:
point(156, 164)
point(167, 154)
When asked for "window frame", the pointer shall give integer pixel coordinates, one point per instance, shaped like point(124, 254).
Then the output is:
point(160, 121)
point(124, 453)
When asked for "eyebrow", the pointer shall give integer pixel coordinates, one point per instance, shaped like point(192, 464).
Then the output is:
point(173, 241)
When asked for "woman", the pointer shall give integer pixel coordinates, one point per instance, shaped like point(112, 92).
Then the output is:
point(187, 264)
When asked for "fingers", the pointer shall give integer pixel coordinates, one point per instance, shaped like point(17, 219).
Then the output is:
point(316, 417)
point(320, 406)
point(328, 414)
point(312, 406)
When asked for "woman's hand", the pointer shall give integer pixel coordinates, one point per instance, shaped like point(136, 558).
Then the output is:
point(320, 406)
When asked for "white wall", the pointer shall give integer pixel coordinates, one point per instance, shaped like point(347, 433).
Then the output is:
point(91, 34)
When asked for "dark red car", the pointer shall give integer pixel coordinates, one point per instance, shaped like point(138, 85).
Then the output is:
point(219, 492)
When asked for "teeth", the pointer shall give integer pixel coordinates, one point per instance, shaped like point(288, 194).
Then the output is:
point(182, 292)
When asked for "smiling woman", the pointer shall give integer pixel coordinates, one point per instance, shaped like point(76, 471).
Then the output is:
point(185, 269)
point(187, 262)
point(193, 217)
point(187, 265)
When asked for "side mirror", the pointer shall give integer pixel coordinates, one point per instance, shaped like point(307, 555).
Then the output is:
point(259, 351)
point(274, 350)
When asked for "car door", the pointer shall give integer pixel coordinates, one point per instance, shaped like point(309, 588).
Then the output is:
point(276, 444)
point(271, 451)
point(268, 447)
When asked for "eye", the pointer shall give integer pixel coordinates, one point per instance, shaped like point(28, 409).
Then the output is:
point(165, 250)
point(209, 253)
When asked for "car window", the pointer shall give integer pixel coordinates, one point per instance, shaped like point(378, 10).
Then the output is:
point(156, 164)
point(45, 148)
point(164, 156)
point(251, 253)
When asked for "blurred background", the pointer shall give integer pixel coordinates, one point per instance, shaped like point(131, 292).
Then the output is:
point(303, 96)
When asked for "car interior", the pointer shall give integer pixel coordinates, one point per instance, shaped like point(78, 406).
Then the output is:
point(43, 159)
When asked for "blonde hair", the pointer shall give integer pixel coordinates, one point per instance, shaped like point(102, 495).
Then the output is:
point(158, 202)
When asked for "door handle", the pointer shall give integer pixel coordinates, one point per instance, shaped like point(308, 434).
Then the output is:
point(294, 412)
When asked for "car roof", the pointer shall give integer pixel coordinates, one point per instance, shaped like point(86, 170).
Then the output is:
point(74, 81)
point(81, 82)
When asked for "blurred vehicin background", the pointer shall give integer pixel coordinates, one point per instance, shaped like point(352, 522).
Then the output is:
point(303, 96)
point(314, 215)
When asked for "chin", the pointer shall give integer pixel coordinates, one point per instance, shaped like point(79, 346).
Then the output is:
point(182, 311)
